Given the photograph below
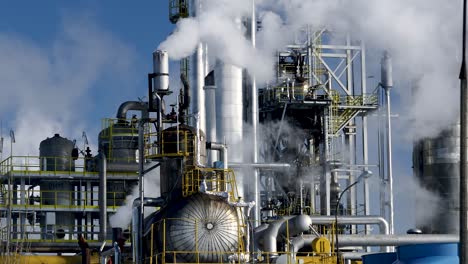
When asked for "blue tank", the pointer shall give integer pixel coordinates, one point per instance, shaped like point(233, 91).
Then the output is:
point(428, 254)
point(380, 258)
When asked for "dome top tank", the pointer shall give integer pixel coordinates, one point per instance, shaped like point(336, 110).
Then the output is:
point(55, 154)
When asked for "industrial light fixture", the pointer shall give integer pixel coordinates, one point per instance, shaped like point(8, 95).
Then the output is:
point(364, 175)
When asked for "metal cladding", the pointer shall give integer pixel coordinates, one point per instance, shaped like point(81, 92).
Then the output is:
point(202, 227)
point(161, 68)
point(56, 154)
point(197, 104)
point(436, 165)
point(387, 71)
point(120, 143)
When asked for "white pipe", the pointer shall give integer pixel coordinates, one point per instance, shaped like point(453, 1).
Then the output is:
point(223, 152)
point(387, 84)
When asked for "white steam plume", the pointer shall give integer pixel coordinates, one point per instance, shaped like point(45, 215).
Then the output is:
point(123, 217)
point(44, 87)
point(422, 36)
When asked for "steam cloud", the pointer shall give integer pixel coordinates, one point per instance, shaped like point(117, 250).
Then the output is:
point(44, 88)
point(123, 217)
point(422, 36)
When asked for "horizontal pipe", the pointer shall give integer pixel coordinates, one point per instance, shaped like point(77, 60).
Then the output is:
point(395, 240)
point(354, 220)
point(267, 166)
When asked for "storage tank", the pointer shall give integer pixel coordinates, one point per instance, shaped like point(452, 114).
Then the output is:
point(436, 253)
point(436, 165)
point(56, 154)
point(379, 258)
point(120, 143)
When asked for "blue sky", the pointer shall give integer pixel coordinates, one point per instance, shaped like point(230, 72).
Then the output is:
point(53, 47)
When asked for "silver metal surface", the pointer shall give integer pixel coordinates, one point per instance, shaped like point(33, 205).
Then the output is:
point(204, 225)
point(229, 113)
point(267, 235)
point(387, 84)
point(132, 105)
point(210, 106)
point(161, 68)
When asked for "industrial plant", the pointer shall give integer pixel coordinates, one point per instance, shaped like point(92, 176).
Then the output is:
point(248, 172)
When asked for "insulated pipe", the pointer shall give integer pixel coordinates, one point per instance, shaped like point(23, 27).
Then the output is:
point(298, 242)
point(385, 240)
point(132, 105)
point(102, 196)
point(137, 223)
point(222, 150)
point(354, 220)
point(161, 69)
point(210, 104)
point(294, 225)
point(264, 166)
point(387, 84)
point(395, 240)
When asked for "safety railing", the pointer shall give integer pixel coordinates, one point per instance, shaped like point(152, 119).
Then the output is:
point(213, 180)
point(165, 253)
point(61, 199)
point(52, 233)
point(119, 133)
point(59, 166)
point(169, 144)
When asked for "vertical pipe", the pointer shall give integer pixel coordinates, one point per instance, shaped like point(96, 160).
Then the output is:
point(463, 150)
point(210, 102)
point(254, 118)
point(22, 201)
point(141, 186)
point(365, 150)
point(102, 196)
point(387, 84)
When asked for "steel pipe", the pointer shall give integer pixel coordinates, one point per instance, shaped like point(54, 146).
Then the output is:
point(132, 105)
point(222, 150)
point(102, 196)
point(265, 166)
point(137, 223)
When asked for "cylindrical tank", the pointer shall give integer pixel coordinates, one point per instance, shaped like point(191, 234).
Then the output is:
point(203, 228)
point(379, 258)
point(436, 165)
point(55, 154)
point(161, 67)
point(427, 254)
point(120, 143)
point(171, 169)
